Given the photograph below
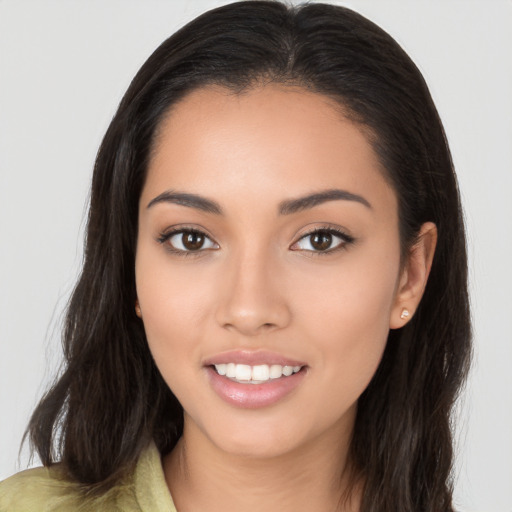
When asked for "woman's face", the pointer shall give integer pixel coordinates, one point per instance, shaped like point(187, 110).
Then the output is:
point(268, 244)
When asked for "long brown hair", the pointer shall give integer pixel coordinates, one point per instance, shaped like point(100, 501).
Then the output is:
point(110, 401)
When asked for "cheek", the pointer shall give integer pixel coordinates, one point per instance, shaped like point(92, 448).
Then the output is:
point(177, 297)
point(347, 313)
point(358, 291)
point(170, 301)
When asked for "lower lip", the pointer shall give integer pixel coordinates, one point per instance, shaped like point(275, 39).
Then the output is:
point(253, 396)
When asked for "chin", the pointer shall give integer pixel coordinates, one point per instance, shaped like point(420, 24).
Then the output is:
point(255, 438)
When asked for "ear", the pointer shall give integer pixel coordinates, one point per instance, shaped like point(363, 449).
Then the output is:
point(413, 278)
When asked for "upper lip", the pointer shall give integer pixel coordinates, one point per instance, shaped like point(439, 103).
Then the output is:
point(252, 358)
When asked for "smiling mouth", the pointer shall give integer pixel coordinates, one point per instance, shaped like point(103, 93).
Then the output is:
point(257, 374)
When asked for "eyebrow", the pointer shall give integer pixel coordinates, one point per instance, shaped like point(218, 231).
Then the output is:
point(286, 207)
point(304, 203)
point(190, 200)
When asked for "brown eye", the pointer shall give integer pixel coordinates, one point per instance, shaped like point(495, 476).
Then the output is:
point(192, 241)
point(321, 241)
point(188, 241)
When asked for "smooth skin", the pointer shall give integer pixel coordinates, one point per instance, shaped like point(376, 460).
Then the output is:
point(258, 280)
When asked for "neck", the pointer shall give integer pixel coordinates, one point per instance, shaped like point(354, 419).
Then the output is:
point(315, 476)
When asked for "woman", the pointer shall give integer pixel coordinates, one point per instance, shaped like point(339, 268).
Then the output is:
point(272, 312)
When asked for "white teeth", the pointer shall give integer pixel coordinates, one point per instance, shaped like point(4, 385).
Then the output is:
point(221, 368)
point(243, 372)
point(276, 370)
point(260, 372)
point(255, 374)
point(231, 370)
point(287, 370)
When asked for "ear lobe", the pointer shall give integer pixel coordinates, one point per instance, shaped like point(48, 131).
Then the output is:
point(138, 311)
point(414, 276)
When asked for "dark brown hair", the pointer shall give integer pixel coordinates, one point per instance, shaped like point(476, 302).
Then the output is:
point(110, 401)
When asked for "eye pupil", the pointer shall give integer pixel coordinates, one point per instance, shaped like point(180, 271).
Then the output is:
point(193, 241)
point(321, 241)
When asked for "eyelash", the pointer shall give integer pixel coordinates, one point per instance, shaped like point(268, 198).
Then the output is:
point(345, 240)
point(166, 236)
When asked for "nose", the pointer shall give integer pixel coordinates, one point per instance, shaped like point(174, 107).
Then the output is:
point(252, 297)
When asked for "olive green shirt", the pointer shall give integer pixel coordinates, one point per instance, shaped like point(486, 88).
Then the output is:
point(45, 490)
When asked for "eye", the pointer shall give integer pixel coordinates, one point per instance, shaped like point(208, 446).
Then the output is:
point(323, 240)
point(187, 240)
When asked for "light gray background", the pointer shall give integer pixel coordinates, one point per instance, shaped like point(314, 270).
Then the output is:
point(64, 66)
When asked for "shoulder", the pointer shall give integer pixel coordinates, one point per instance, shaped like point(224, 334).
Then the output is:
point(47, 490)
point(41, 489)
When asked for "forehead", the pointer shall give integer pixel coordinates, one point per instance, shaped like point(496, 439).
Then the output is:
point(263, 142)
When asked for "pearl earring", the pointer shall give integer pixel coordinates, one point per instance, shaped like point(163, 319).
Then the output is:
point(405, 313)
